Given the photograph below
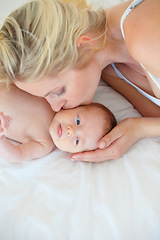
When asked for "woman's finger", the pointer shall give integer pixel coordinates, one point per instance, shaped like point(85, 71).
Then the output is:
point(112, 136)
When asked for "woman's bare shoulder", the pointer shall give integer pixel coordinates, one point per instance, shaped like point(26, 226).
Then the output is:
point(142, 34)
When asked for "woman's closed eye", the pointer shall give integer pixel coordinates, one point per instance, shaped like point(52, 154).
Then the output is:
point(58, 92)
point(61, 91)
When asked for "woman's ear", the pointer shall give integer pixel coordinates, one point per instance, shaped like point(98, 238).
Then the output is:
point(85, 40)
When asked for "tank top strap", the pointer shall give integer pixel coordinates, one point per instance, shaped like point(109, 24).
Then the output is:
point(151, 98)
point(132, 6)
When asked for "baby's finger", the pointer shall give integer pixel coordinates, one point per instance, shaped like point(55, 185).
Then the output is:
point(5, 121)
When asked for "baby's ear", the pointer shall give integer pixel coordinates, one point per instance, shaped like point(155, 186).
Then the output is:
point(85, 41)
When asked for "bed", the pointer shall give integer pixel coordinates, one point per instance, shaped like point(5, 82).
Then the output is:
point(53, 198)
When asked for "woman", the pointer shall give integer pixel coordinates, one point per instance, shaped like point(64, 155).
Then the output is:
point(59, 49)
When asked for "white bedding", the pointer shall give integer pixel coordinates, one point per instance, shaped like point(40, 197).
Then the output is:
point(55, 199)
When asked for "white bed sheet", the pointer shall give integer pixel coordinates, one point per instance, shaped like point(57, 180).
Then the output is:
point(55, 199)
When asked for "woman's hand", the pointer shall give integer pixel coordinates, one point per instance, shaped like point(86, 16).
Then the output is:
point(115, 143)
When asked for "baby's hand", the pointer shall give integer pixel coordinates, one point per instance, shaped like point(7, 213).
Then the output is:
point(4, 124)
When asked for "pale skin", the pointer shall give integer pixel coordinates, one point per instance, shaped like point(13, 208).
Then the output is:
point(30, 122)
point(25, 119)
point(141, 46)
point(72, 129)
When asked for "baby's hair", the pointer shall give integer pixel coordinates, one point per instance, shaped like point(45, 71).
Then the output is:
point(40, 38)
point(110, 120)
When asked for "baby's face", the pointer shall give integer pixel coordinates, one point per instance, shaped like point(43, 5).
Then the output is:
point(78, 129)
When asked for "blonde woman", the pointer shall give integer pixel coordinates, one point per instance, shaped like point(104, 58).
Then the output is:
point(59, 49)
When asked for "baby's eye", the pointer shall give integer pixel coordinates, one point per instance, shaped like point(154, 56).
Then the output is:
point(77, 141)
point(78, 121)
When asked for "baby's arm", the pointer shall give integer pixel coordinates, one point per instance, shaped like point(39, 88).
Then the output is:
point(22, 152)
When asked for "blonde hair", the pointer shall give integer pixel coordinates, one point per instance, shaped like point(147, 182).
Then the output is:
point(40, 38)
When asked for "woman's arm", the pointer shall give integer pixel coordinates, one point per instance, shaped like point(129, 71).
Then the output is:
point(120, 139)
point(142, 39)
point(128, 131)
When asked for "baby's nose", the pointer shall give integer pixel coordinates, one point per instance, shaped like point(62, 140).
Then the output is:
point(70, 130)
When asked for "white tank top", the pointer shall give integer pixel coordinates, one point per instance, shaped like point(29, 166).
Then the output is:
point(153, 99)
point(156, 79)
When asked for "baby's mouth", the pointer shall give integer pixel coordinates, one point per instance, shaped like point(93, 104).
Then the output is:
point(59, 130)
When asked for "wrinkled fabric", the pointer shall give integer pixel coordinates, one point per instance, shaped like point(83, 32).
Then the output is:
point(54, 198)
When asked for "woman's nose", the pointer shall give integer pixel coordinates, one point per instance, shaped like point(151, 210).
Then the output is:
point(70, 130)
point(55, 105)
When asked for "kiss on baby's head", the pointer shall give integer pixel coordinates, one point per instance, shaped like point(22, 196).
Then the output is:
point(80, 129)
point(38, 129)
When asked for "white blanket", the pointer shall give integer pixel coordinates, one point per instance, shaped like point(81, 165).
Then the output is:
point(53, 198)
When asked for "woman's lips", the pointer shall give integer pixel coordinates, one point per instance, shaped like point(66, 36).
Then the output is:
point(59, 130)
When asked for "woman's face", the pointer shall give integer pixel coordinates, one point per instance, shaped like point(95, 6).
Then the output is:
point(67, 90)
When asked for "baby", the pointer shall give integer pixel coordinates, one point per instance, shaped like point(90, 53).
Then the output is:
point(31, 122)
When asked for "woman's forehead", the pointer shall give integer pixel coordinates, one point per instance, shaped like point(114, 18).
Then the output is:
point(39, 88)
